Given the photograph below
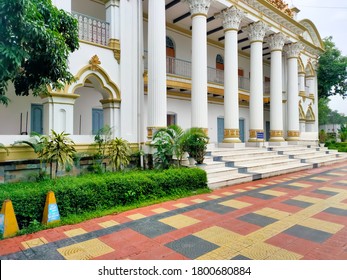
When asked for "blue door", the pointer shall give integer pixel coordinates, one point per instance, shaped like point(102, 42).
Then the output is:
point(97, 120)
point(242, 130)
point(37, 118)
point(220, 129)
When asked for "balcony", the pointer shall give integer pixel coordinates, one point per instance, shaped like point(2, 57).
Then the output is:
point(92, 29)
point(183, 68)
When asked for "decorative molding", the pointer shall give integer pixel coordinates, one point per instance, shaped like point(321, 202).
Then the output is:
point(283, 7)
point(293, 50)
point(276, 41)
point(276, 133)
point(94, 63)
point(253, 133)
point(293, 134)
point(231, 18)
point(231, 133)
point(256, 31)
point(198, 7)
point(114, 44)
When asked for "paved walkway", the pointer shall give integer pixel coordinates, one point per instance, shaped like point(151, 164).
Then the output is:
point(301, 215)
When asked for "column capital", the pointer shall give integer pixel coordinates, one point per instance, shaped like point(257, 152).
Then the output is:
point(198, 7)
point(293, 50)
point(256, 31)
point(231, 18)
point(276, 41)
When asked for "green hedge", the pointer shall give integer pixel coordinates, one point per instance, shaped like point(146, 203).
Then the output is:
point(76, 195)
point(340, 146)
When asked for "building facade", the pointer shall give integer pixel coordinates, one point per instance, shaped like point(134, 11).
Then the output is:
point(237, 68)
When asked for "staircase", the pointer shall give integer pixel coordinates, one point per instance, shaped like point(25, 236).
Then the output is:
point(230, 166)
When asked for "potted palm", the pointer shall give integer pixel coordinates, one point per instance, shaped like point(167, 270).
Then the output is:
point(195, 144)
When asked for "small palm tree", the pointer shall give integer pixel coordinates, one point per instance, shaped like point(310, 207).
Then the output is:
point(194, 142)
point(59, 148)
point(119, 153)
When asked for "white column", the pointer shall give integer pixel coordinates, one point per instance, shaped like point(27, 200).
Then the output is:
point(199, 10)
point(231, 22)
point(302, 89)
point(112, 17)
point(156, 66)
point(293, 50)
point(276, 43)
point(111, 110)
point(256, 33)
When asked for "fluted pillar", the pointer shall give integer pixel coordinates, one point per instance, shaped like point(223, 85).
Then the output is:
point(231, 22)
point(293, 50)
point(256, 33)
point(156, 66)
point(276, 43)
point(199, 10)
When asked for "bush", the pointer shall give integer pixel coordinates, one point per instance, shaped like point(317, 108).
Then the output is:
point(76, 195)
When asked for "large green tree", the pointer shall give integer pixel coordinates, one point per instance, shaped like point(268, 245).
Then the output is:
point(35, 41)
point(332, 71)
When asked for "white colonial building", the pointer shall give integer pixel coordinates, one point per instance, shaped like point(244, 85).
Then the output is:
point(234, 68)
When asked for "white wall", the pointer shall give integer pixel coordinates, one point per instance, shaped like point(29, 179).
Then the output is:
point(89, 8)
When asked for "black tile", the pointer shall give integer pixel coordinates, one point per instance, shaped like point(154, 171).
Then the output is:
point(191, 246)
point(329, 193)
point(217, 208)
point(298, 203)
point(336, 211)
point(240, 257)
point(261, 196)
point(152, 228)
point(308, 233)
point(257, 219)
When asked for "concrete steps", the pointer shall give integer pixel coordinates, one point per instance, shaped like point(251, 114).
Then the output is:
point(229, 166)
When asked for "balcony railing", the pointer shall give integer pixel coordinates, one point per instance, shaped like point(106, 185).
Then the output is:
point(92, 30)
point(183, 68)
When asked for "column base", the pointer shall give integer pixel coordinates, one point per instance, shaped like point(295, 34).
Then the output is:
point(293, 135)
point(253, 135)
point(257, 144)
point(231, 145)
point(276, 139)
point(231, 140)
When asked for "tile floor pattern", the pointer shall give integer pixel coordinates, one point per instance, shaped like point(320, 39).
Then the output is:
point(301, 215)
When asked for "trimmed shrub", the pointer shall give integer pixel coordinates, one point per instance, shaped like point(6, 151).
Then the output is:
point(91, 192)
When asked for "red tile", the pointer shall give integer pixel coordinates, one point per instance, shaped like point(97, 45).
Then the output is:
point(281, 239)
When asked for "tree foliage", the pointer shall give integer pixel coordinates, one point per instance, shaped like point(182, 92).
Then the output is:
point(328, 116)
point(35, 41)
point(332, 71)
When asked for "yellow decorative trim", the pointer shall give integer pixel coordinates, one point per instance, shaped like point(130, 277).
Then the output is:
point(303, 95)
point(276, 133)
point(231, 133)
point(151, 130)
point(301, 112)
point(198, 14)
point(283, 7)
point(94, 63)
point(310, 116)
point(108, 101)
point(100, 71)
point(253, 133)
point(94, 44)
point(64, 95)
point(114, 44)
point(293, 135)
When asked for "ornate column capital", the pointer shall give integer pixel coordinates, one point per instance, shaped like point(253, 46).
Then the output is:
point(276, 41)
point(256, 31)
point(293, 50)
point(198, 7)
point(231, 18)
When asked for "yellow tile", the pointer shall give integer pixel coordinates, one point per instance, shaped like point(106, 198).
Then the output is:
point(136, 217)
point(235, 204)
point(227, 193)
point(337, 190)
point(336, 174)
point(34, 242)
point(218, 235)
point(260, 251)
point(279, 181)
point(261, 185)
point(321, 178)
point(179, 221)
point(181, 205)
point(301, 185)
point(224, 253)
point(240, 190)
point(274, 193)
point(85, 250)
point(342, 182)
point(75, 232)
point(271, 183)
point(340, 205)
point(272, 213)
point(214, 196)
point(265, 211)
point(199, 200)
point(209, 256)
point(160, 210)
point(251, 188)
point(107, 224)
point(307, 199)
point(283, 254)
point(321, 225)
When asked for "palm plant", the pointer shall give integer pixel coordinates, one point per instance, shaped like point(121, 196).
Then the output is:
point(59, 148)
point(119, 153)
point(343, 133)
point(194, 142)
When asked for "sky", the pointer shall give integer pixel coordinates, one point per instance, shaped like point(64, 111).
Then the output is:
point(330, 18)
